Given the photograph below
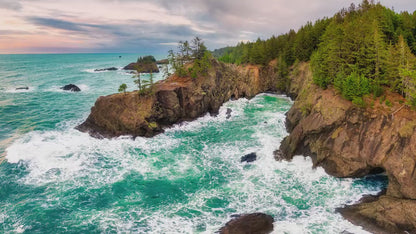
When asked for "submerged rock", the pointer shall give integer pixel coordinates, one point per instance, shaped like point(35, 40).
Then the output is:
point(228, 113)
point(106, 69)
point(71, 87)
point(21, 88)
point(258, 223)
point(251, 157)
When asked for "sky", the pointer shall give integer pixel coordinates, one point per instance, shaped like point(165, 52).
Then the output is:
point(153, 26)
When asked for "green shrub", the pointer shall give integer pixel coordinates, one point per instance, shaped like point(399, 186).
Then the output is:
point(388, 103)
point(354, 85)
point(359, 101)
point(377, 90)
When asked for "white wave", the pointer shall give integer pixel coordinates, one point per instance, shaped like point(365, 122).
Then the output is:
point(68, 154)
point(237, 107)
point(3, 217)
point(84, 87)
point(54, 88)
point(92, 70)
point(14, 90)
point(301, 199)
point(8, 102)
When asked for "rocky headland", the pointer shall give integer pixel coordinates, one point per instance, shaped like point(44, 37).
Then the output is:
point(351, 141)
point(176, 99)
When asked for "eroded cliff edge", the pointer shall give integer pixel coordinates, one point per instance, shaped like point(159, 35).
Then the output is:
point(176, 99)
point(346, 140)
point(349, 141)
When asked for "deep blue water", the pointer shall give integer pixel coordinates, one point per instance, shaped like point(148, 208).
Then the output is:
point(55, 179)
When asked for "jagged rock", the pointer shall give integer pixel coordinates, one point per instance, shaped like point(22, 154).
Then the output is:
point(71, 87)
point(106, 69)
point(383, 215)
point(251, 157)
point(228, 113)
point(258, 223)
point(21, 88)
point(174, 100)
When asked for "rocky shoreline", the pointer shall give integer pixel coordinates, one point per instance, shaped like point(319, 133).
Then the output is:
point(176, 99)
point(349, 141)
point(346, 140)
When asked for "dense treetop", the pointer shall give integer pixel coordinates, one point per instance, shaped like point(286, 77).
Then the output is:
point(146, 59)
point(359, 50)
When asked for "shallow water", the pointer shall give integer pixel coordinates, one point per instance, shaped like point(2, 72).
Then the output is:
point(187, 180)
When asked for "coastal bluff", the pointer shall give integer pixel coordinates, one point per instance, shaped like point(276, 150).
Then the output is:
point(351, 141)
point(176, 99)
point(343, 138)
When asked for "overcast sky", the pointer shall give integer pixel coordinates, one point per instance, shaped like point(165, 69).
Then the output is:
point(153, 26)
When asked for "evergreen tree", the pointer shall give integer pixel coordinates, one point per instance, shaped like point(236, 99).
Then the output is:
point(122, 88)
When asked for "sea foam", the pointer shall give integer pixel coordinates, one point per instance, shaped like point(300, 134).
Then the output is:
point(207, 171)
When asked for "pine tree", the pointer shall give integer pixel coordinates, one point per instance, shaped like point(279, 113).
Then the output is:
point(122, 88)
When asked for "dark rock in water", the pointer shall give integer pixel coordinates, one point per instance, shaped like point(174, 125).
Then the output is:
point(20, 88)
point(229, 113)
point(107, 69)
point(258, 223)
point(251, 157)
point(71, 87)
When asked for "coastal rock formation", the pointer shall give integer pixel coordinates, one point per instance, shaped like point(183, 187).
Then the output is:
point(144, 68)
point(176, 99)
point(348, 141)
point(106, 69)
point(251, 157)
point(71, 87)
point(258, 223)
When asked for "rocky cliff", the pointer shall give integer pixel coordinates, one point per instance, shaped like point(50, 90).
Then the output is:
point(349, 141)
point(346, 140)
point(176, 99)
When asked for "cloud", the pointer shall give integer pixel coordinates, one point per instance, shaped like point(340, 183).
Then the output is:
point(10, 5)
point(144, 25)
point(56, 23)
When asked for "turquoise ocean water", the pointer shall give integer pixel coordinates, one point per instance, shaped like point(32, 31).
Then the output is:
point(54, 179)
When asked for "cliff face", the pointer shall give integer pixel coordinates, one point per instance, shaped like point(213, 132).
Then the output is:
point(174, 100)
point(348, 141)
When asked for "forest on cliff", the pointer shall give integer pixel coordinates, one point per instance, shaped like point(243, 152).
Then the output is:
point(361, 50)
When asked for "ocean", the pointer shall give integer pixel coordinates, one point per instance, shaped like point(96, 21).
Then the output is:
point(55, 179)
